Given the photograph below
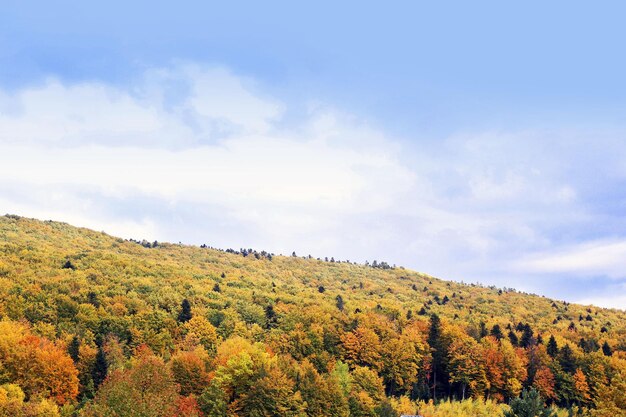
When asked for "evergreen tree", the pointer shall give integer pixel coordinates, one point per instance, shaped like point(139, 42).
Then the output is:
point(566, 359)
point(483, 330)
point(73, 349)
point(271, 320)
point(340, 304)
point(606, 349)
point(513, 338)
point(437, 347)
point(185, 312)
point(529, 404)
point(552, 348)
point(100, 368)
point(527, 337)
point(497, 332)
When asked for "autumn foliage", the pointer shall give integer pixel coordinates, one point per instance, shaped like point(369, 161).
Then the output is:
point(171, 330)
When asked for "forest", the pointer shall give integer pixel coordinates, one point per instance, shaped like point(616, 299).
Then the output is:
point(94, 325)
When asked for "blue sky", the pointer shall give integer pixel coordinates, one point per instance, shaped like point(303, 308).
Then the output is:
point(476, 141)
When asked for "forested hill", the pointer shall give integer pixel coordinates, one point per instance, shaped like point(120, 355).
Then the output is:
point(86, 316)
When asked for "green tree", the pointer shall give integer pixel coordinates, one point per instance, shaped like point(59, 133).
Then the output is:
point(529, 404)
point(439, 375)
point(552, 348)
point(185, 312)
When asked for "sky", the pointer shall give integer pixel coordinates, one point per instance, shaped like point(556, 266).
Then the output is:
point(474, 141)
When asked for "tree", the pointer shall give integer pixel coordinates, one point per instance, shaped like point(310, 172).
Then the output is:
point(514, 371)
point(581, 386)
point(483, 332)
point(466, 364)
point(185, 312)
point(339, 303)
point(401, 361)
point(270, 395)
point(609, 400)
point(362, 347)
point(271, 320)
point(544, 383)
point(213, 401)
point(439, 355)
point(527, 337)
point(494, 361)
point(528, 405)
point(201, 331)
point(322, 396)
point(39, 366)
point(101, 368)
point(497, 332)
point(74, 349)
point(567, 360)
point(12, 403)
point(189, 370)
point(606, 349)
point(147, 389)
point(553, 348)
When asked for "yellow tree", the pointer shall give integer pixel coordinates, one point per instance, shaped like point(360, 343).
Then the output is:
point(362, 347)
point(466, 363)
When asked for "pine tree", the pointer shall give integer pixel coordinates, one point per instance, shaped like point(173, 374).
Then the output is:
point(439, 354)
point(552, 348)
point(497, 332)
point(483, 330)
point(73, 348)
point(527, 337)
point(271, 320)
point(606, 349)
point(185, 312)
point(100, 368)
point(340, 304)
point(529, 404)
point(567, 360)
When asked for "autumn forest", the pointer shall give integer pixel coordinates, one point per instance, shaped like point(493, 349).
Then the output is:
point(93, 325)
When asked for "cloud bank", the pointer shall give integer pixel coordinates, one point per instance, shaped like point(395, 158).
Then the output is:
point(201, 155)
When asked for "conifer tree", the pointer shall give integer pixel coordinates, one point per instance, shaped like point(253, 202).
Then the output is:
point(527, 336)
point(340, 304)
point(185, 312)
point(100, 368)
point(529, 404)
point(552, 348)
point(73, 348)
point(438, 351)
point(497, 332)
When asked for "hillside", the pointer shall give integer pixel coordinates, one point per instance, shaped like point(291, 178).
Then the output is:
point(114, 306)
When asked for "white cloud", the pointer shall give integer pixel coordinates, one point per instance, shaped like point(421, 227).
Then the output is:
point(201, 155)
point(197, 137)
point(587, 260)
point(612, 297)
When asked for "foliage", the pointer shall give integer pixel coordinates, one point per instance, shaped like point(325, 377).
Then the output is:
point(529, 404)
point(115, 327)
